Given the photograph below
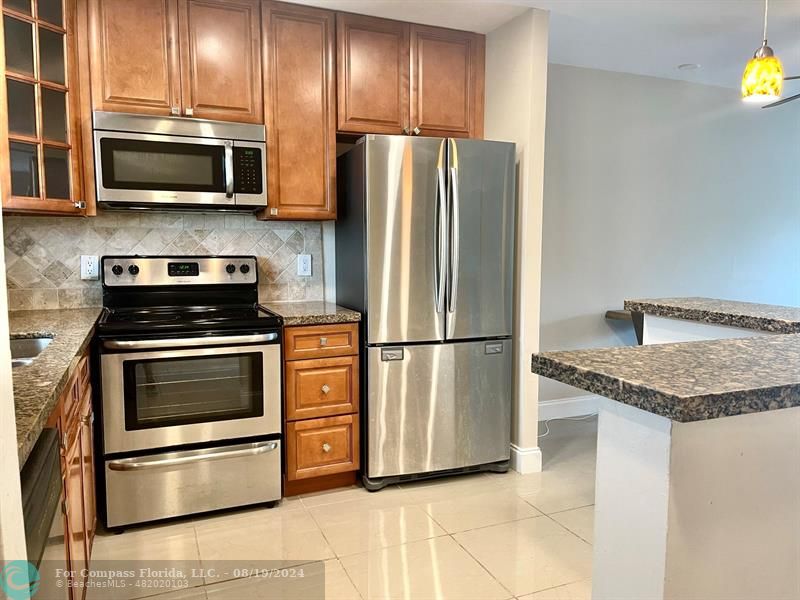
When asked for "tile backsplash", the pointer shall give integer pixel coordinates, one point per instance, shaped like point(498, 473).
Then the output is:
point(43, 253)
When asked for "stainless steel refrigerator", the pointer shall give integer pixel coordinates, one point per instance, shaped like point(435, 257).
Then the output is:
point(425, 250)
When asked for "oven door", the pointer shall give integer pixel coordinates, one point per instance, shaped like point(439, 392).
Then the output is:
point(170, 392)
point(138, 168)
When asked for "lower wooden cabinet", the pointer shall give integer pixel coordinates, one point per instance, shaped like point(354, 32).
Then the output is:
point(322, 406)
point(73, 416)
point(318, 447)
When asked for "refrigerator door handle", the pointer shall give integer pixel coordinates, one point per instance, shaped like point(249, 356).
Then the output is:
point(441, 231)
point(454, 234)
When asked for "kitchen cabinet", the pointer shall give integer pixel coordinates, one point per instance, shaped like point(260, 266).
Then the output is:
point(447, 82)
point(41, 163)
point(401, 78)
point(74, 417)
point(135, 69)
point(300, 111)
point(372, 70)
point(195, 58)
point(321, 377)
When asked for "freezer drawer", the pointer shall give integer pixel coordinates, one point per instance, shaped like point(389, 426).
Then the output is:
point(157, 486)
point(437, 407)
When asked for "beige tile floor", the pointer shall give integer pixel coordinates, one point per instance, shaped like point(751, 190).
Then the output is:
point(484, 536)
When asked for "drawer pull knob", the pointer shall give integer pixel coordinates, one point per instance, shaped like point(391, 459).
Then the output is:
point(323, 341)
point(326, 447)
point(325, 389)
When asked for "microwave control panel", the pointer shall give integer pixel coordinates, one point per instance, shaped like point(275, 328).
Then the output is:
point(247, 175)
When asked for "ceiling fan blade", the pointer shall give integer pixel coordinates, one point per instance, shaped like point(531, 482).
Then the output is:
point(792, 77)
point(782, 101)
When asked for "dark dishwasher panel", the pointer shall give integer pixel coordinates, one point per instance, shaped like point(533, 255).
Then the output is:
point(44, 523)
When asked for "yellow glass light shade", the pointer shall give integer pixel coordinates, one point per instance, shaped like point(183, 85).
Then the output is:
point(762, 80)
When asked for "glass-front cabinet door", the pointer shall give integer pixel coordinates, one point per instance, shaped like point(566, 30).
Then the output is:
point(42, 165)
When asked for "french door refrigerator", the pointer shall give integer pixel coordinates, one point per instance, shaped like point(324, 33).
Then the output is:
point(425, 251)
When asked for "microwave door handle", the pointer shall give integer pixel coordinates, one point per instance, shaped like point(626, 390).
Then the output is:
point(229, 169)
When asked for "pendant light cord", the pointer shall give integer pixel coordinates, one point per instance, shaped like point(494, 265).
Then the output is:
point(766, 11)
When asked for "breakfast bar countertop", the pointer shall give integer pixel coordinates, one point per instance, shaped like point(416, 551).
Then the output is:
point(312, 313)
point(747, 315)
point(38, 386)
point(689, 381)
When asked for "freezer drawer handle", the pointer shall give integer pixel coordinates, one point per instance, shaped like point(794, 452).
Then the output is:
point(182, 458)
point(388, 354)
point(184, 342)
point(494, 348)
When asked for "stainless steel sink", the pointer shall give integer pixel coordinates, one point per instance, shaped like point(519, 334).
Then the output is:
point(25, 350)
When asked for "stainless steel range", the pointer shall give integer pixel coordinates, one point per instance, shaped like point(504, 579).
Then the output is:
point(191, 387)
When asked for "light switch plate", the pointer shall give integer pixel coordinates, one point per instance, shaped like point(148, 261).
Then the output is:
point(90, 267)
point(304, 265)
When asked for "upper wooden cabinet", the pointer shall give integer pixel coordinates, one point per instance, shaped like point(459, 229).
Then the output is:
point(196, 58)
point(135, 69)
point(221, 59)
point(41, 160)
point(447, 82)
point(300, 111)
point(396, 78)
point(373, 81)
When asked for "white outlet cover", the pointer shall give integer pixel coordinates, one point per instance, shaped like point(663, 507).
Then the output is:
point(304, 265)
point(90, 267)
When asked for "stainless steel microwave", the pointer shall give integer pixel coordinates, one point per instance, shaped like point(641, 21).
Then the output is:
point(174, 162)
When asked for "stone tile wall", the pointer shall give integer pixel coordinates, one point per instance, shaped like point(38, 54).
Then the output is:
point(43, 253)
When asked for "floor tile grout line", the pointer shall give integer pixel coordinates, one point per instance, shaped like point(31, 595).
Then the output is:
point(568, 530)
point(484, 567)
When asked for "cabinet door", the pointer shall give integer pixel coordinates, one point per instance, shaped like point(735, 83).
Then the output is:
point(40, 138)
point(134, 56)
point(75, 520)
point(372, 70)
point(300, 111)
point(87, 462)
point(447, 82)
point(221, 59)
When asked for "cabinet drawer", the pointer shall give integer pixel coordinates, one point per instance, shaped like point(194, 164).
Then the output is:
point(320, 341)
point(321, 447)
point(322, 387)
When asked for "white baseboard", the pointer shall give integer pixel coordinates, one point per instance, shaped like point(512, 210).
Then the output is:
point(577, 406)
point(526, 460)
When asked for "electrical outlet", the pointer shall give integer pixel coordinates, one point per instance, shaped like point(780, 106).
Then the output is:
point(304, 265)
point(90, 267)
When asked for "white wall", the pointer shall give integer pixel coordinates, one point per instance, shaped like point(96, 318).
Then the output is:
point(516, 84)
point(656, 187)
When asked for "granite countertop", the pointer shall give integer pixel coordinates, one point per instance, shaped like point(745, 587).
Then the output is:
point(38, 386)
point(690, 381)
point(312, 313)
point(748, 315)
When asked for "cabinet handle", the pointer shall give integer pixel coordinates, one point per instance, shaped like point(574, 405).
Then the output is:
point(323, 341)
point(417, 131)
point(80, 204)
point(325, 389)
point(406, 131)
point(64, 441)
point(326, 447)
point(175, 110)
point(189, 112)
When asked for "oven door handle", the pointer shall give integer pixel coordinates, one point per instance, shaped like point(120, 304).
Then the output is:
point(186, 342)
point(192, 456)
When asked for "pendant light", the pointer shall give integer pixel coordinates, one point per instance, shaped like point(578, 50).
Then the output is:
point(762, 80)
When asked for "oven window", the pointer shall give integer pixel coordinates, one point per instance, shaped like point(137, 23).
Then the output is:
point(162, 166)
point(181, 391)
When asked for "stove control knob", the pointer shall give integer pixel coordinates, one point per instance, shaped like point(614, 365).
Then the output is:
point(116, 270)
point(133, 270)
point(245, 269)
point(231, 269)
